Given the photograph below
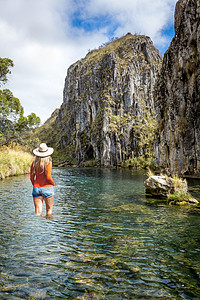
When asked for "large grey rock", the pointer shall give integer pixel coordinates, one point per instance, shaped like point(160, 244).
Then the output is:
point(174, 189)
point(177, 96)
point(162, 186)
point(106, 95)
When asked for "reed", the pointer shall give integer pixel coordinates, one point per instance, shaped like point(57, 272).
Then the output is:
point(180, 193)
point(14, 161)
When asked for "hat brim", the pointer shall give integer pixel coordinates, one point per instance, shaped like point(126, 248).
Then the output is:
point(43, 154)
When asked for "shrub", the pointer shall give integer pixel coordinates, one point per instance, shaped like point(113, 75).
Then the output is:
point(180, 193)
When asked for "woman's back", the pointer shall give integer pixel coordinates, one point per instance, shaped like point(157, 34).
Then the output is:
point(42, 178)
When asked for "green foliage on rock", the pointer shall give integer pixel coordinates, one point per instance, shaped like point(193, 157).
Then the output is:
point(144, 131)
point(179, 195)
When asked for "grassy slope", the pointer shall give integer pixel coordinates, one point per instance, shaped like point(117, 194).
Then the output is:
point(14, 162)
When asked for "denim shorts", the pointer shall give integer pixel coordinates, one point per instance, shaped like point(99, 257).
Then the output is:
point(45, 192)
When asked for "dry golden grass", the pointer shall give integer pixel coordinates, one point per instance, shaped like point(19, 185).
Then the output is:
point(178, 183)
point(150, 172)
point(14, 161)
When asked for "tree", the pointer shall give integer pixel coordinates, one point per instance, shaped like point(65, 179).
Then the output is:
point(12, 119)
point(5, 64)
point(10, 107)
point(26, 123)
point(33, 120)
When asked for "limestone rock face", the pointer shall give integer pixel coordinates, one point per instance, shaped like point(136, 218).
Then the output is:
point(106, 95)
point(177, 97)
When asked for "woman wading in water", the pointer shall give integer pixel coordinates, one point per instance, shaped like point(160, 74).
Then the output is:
point(40, 176)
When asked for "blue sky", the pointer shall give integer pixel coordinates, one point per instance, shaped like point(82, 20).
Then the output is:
point(44, 37)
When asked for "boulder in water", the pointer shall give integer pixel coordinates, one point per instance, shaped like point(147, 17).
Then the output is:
point(160, 185)
point(174, 189)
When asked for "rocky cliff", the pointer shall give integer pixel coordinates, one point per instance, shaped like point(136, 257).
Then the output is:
point(177, 97)
point(107, 115)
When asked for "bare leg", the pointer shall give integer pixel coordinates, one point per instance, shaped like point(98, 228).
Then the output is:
point(38, 202)
point(49, 205)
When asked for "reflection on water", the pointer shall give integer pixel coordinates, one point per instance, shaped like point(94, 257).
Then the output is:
point(106, 241)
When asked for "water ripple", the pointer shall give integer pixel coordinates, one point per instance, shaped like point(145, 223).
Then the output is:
point(106, 241)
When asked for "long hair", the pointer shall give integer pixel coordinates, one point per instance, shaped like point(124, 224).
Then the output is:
point(40, 164)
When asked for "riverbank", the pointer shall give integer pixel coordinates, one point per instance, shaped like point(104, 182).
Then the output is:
point(14, 161)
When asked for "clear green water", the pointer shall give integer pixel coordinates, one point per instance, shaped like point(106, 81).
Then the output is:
point(106, 240)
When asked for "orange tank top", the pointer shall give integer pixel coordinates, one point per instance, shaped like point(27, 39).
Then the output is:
point(42, 179)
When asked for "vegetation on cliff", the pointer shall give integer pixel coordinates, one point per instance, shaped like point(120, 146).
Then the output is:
point(145, 134)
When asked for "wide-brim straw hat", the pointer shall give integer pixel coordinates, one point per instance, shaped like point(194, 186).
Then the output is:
point(43, 150)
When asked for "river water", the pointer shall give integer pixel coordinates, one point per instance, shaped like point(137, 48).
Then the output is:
point(105, 241)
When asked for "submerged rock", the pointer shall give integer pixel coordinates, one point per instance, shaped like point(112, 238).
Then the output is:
point(194, 201)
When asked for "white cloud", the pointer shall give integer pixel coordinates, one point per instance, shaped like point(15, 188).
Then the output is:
point(39, 37)
point(147, 17)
